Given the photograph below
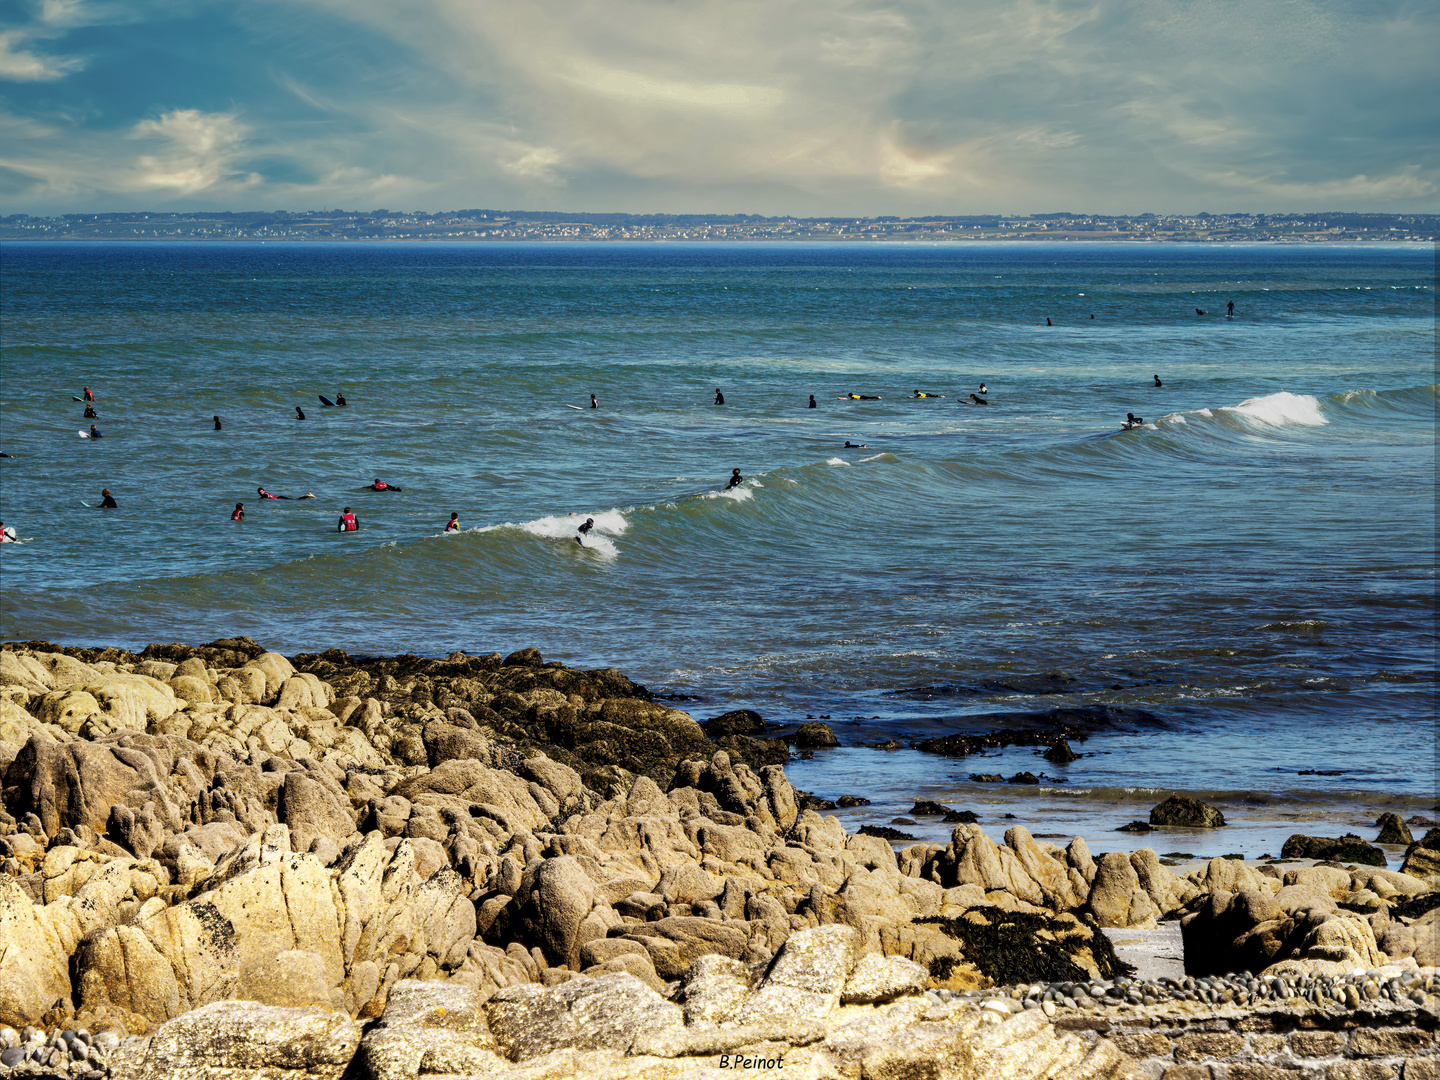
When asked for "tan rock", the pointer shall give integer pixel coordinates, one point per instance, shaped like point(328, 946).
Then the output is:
point(1116, 898)
point(584, 1014)
point(877, 979)
point(34, 964)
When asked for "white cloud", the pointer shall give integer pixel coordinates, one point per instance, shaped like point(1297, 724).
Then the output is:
point(195, 151)
point(19, 64)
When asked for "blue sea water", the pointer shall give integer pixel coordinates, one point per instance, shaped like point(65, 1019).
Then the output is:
point(1233, 599)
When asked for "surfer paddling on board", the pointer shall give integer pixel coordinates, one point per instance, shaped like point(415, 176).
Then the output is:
point(855, 446)
point(978, 400)
point(107, 501)
point(239, 512)
point(7, 534)
point(584, 531)
point(453, 525)
point(1131, 421)
point(348, 522)
point(735, 479)
point(926, 393)
point(381, 485)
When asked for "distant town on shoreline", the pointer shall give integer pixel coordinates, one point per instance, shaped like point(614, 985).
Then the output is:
point(519, 225)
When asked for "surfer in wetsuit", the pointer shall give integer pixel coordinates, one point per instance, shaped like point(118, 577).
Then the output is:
point(1132, 421)
point(1230, 309)
point(735, 479)
point(90, 413)
point(340, 399)
point(299, 413)
point(719, 397)
point(217, 423)
point(348, 522)
point(95, 432)
point(584, 531)
point(983, 391)
point(856, 446)
point(239, 512)
point(380, 485)
point(88, 395)
point(978, 400)
point(594, 404)
point(1157, 380)
point(812, 404)
point(107, 501)
point(453, 525)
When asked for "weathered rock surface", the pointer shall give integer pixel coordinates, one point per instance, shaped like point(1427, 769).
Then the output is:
point(1184, 811)
point(1347, 848)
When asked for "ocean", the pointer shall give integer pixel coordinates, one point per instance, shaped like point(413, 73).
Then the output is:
point(1236, 599)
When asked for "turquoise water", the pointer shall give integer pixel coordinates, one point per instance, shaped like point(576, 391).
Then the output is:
point(1239, 590)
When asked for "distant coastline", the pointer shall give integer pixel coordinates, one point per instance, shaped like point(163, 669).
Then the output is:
point(518, 226)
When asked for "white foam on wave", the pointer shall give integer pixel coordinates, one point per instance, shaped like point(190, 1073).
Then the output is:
point(563, 527)
point(735, 494)
point(1282, 408)
point(876, 457)
point(836, 461)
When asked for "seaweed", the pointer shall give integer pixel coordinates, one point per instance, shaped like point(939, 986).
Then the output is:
point(1010, 948)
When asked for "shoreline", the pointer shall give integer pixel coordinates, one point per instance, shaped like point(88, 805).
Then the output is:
point(200, 840)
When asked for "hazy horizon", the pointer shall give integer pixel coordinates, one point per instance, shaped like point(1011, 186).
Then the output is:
point(859, 109)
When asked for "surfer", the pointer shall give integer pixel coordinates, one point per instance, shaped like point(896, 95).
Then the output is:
point(1157, 380)
point(88, 395)
point(1132, 421)
point(594, 404)
point(855, 446)
point(1201, 311)
point(584, 531)
point(90, 413)
point(7, 534)
point(1048, 322)
point(95, 432)
point(107, 501)
point(983, 391)
point(978, 400)
point(1230, 309)
point(859, 397)
point(925, 393)
point(217, 423)
point(239, 512)
point(812, 404)
point(266, 495)
point(348, 522)
point(340, 399)
point(299, 413)
point(719, 397)
point(381, 485)
point(735, 479)
point(453, 525)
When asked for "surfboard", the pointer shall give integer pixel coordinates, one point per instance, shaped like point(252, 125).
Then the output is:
point(325, 400)
point(577, 408)
point(77, 399)
point(83, 434)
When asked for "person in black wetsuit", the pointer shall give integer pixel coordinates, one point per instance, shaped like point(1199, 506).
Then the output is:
point(856, 446)
point(299, 413)
point(1132, 421)
point(1230, 308)
point(593, 403)
point(95, 432)
point(735, 479)
point(339, 399)
point(978, 400)
point(1157, 380)
point(584, 531)
point(812, 404)
point(90, 413)
point(107, 501)
point(217, 423)
point(719, 397)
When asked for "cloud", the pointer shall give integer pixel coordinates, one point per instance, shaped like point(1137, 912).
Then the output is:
point(773, 106)
point(195, 151)
point(19, 64)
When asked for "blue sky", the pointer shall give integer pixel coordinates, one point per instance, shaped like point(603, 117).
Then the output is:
point(807, 107)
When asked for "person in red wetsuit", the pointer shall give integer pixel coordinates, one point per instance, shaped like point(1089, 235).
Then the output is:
point(453, 525)
point(265, 494)
point(348, 522)
point(88, 395)
point(239, 513)
point(381, 485)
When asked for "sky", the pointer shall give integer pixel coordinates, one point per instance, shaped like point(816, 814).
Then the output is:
point(775, 107)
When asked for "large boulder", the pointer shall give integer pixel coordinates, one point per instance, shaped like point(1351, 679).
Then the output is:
point(1348, 848)
point(243, 1040)
point(1185, 812)
point(34, 967)
point(1116, 896)
point(1393, 830)
point(608, 1013)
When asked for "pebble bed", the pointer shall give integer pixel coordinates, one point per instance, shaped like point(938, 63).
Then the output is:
point(1348, 991)
point(72, 1051)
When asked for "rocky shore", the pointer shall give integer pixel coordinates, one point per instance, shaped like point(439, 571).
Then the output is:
point(221, 861)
